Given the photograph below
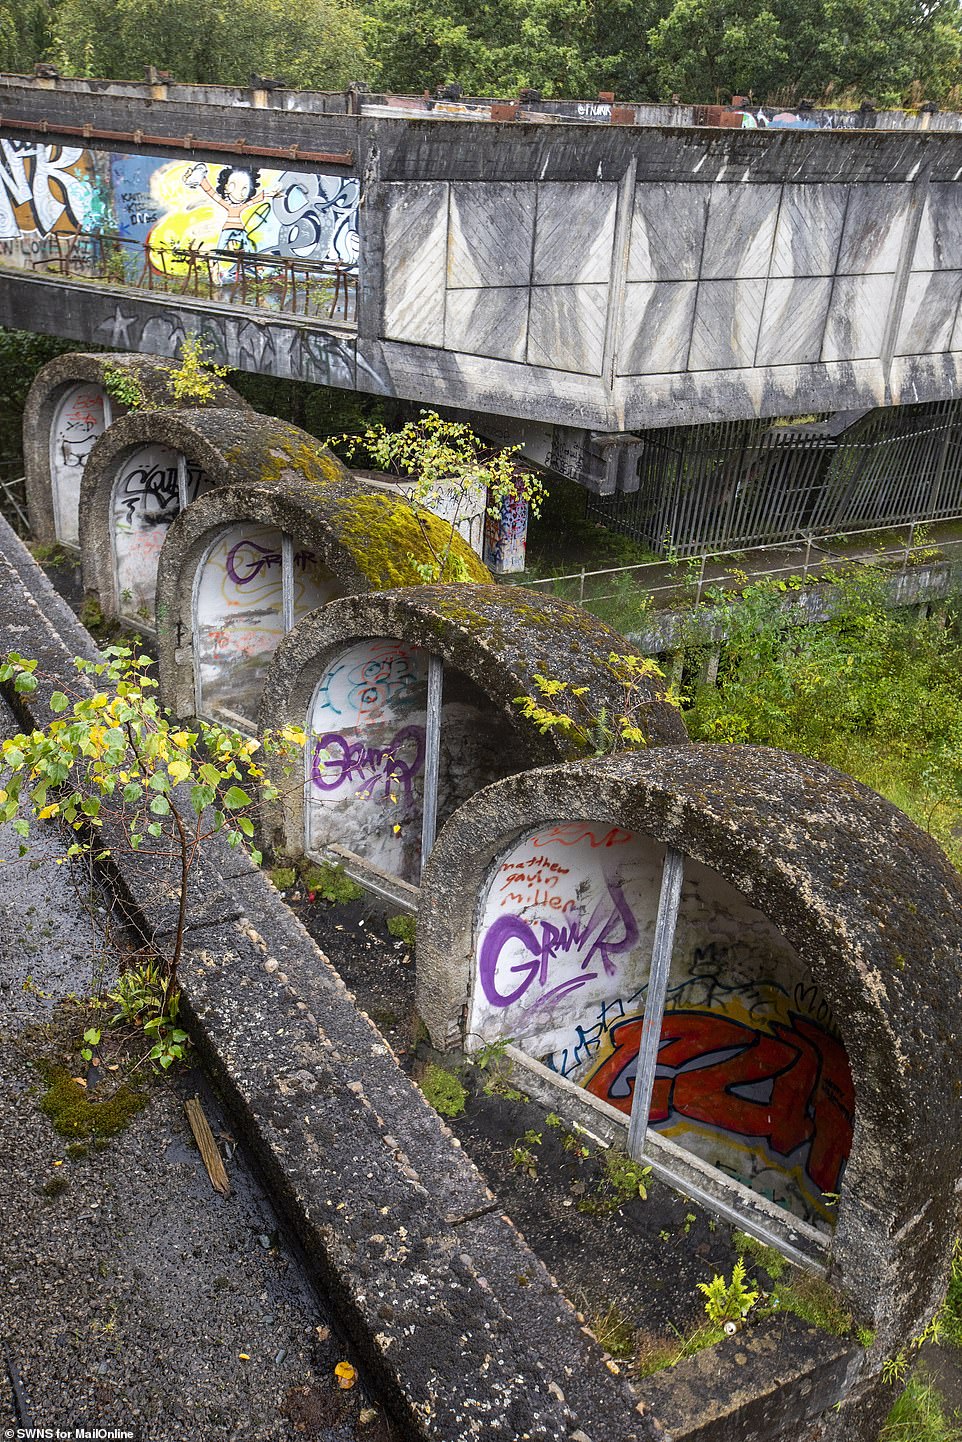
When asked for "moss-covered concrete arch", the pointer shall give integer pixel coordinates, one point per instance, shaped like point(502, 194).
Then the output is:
point(284, 481)
point(53, 464)
point(491, 641)
point(869, 904)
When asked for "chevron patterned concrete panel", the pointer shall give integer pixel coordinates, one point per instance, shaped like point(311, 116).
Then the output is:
point(728, 315)
point(741, 227)
point(574, 233)
point(809, 229)
point(492, 321)
point(928, 316)
point(489, 242)
point(793, 321)
point(939, 246)
point(566, 327)
point(415, 261)
point(856, 317)
point(656, 332)
point(874, 223)
point(667, 226)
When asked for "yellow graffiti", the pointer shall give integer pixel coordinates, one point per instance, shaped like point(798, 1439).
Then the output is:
point(193, 220)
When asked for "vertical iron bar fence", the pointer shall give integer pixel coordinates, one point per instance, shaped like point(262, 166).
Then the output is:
point(749, 483)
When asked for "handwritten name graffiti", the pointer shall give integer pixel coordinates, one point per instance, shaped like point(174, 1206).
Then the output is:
point(518, 954)
point(787, 1087)
point(247, 559)
point(339, 763)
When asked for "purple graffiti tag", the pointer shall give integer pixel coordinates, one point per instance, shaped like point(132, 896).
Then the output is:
point(337, 760)
point(608, 934)
point(259, 558)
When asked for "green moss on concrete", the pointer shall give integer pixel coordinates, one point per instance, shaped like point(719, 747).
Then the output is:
point(403, 928)
point(76, 1113)
point(443, 1090)
point(282, 877)
point(330, 883)
point(389, 543)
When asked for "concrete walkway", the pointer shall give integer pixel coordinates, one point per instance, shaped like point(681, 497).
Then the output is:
point(134, 1296)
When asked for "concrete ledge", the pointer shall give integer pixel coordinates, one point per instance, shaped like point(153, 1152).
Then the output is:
point(396, 1222)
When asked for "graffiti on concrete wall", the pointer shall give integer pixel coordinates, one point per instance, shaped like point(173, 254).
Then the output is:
point(240, 618)
point(183, 221)
point(79, 418)
point(145, 502)
point(752, 1074)
point(47, 191)
point(366, 732)
point(506, 536)
point(366, 752)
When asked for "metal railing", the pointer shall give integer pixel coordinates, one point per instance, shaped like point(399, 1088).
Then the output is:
point(285, 283)
point(673, 582)
point(13, 503)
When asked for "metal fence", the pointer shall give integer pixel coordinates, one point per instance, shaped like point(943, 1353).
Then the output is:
point(13, 500)
point(645, 597)
point(712, 488)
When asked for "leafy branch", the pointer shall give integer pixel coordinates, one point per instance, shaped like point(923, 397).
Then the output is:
point(565, 708)
point(121, 774)
point(451, 467)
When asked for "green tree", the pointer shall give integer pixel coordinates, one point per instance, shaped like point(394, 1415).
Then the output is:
point(560, 47)
point(24, 33)
point(885, 50)
point(705, 49)
point(316, 44)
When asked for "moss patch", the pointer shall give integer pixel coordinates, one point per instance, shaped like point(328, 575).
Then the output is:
point(282, 877)
point(403, 928)
point(74, 1113)
point(331, 883)
point(443, 1090)
point(389, 542)
point(655, 1353)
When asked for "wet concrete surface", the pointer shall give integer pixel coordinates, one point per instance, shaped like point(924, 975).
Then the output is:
point(134, 1296)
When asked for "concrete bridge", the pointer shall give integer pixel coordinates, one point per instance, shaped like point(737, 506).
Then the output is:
point(570, 278)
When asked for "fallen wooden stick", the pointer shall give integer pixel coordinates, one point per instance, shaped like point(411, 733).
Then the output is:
point(204, 1138)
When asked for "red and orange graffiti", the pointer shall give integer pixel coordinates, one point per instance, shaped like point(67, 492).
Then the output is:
point(788, 1087)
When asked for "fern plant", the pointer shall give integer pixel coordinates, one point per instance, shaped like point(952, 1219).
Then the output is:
point(729, 1301)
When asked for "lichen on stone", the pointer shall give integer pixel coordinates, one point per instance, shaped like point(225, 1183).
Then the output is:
point(389, 543)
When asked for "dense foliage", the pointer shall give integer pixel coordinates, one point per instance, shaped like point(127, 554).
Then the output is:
point(889, 51)
point(308, 43)
point(874, 691)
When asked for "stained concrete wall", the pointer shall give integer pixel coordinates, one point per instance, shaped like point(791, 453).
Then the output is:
point(595, 277)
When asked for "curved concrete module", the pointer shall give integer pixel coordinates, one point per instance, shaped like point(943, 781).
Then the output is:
point(67, 408)
point(850, 891)
point(356, 675)
point(288, 529)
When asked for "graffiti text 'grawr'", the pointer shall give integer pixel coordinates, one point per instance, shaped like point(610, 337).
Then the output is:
point(609, 933)
point(337, 760)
